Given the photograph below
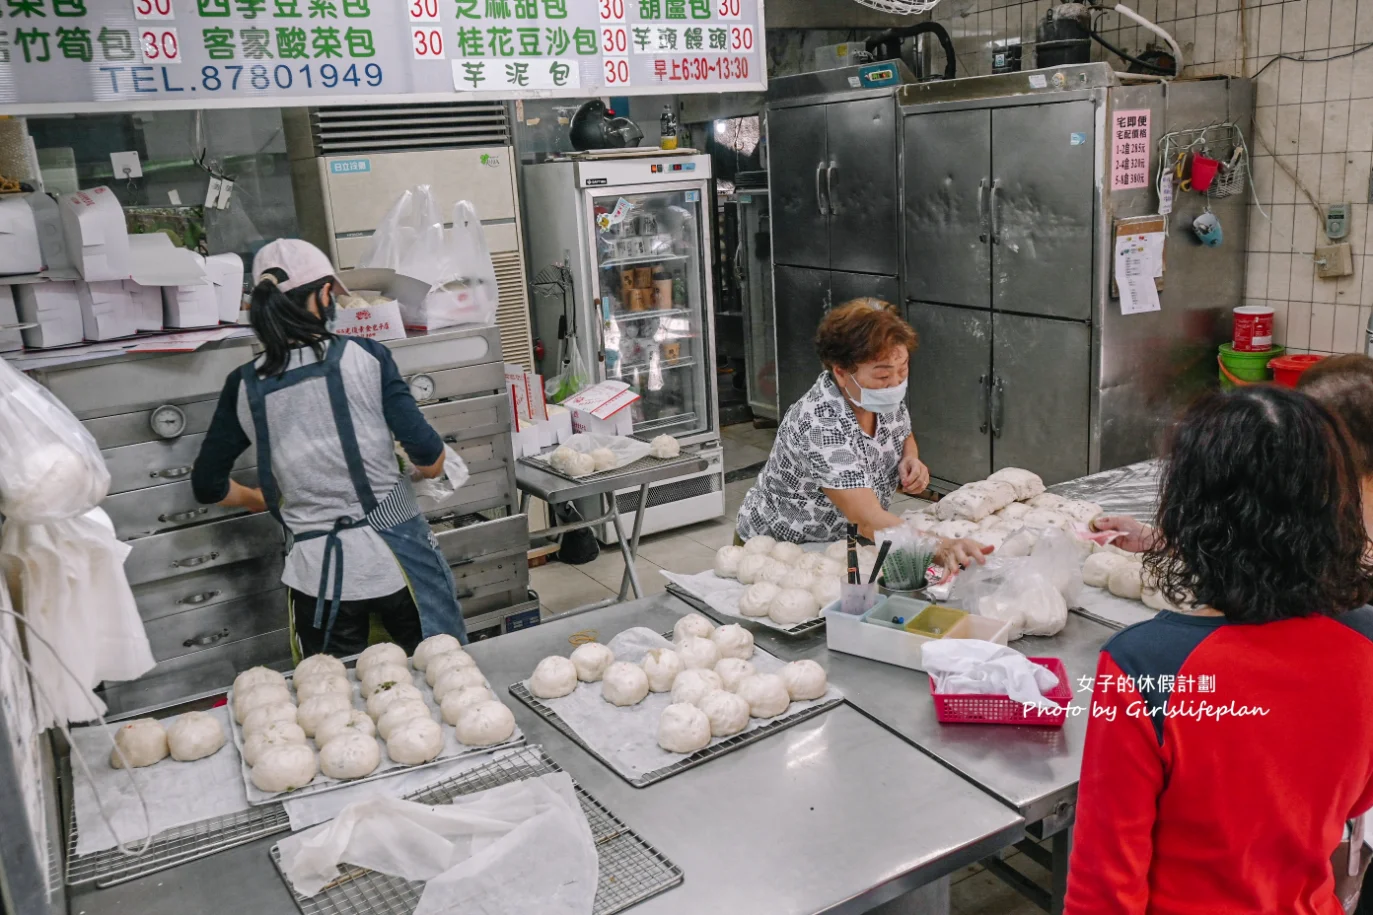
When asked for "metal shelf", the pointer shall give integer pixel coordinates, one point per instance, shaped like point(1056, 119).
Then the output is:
point(643, 315)
point(646, 259)
point(662, 367)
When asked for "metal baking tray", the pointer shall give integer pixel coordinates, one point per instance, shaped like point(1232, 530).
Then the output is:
point(809, 627)
point(643, 463)
point(173, 847)
point(700, 757)
point(631, 871)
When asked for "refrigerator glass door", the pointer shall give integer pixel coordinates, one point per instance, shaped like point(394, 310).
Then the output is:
point(755, 270)
point(650, 272)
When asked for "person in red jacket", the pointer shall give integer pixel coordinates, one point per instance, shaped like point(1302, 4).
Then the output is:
point(1229, 745)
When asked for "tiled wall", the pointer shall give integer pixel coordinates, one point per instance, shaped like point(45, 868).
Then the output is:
point(1316, 117)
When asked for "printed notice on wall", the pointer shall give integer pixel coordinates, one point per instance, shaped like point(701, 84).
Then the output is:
point(1129, 149)
point(1138, 261)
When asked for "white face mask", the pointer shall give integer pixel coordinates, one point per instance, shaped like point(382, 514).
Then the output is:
point(879, 400)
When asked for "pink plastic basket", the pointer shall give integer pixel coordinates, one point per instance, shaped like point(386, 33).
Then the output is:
point(971, 708)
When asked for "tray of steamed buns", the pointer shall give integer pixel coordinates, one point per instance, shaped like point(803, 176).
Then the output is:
point(326, 726)
point(649, 708)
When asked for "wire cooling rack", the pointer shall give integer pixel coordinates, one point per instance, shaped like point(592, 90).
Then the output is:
point(631, 871)
point(808, 627)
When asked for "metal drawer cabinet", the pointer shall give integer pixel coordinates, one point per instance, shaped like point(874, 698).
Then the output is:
point(203, 547)
point(463, 540)
point(203, 673)
point(448, 348)
point(459, 382)
point(134, 383)
point(194, 631)
point(155, 463)
point(123, 429)
point(213, 586)
point(492, 582)
point(172, 505)
point(473, 417)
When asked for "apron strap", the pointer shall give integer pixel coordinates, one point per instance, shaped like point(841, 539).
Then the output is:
point(257, 407)
point(343, 421)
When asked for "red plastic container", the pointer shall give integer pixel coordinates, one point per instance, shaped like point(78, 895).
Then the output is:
point(1204, 170)
point(972, 708)
point(1288, 369)
point(1253, 329)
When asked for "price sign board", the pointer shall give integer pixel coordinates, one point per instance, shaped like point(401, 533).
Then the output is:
point(62, 56)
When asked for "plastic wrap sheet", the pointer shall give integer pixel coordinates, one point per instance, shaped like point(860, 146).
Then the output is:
point(1130, 490)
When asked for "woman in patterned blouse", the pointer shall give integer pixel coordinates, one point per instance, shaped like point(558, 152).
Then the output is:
point(844, 448)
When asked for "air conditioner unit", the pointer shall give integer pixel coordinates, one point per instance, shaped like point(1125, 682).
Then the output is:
point(349, 164)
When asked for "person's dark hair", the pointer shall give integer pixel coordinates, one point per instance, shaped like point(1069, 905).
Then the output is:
point(1344, 386)
point(1260, 514)
point(283, 321)
point(859, 331)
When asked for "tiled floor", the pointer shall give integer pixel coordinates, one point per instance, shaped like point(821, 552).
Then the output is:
point(692, 549)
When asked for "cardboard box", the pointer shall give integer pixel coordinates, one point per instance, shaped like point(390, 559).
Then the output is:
point(147, 305)
point(226, 272)
point(602, 408)
point(96, 236)
point(560, 421)
point(526, 441)
point(19, 250)
point(55, 308)
point(57, 264)
point(10, 340)
point(375, 322)
point(379, 322)
point(192, 305)
point(519, 393)
point(107, 311)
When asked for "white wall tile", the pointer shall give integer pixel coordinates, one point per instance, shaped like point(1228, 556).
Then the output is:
point(1286, 140)
point(1347, 336)
point(1259, 233)
point(1367, 295)
point(1256, 276)
point(1206, 7)
point(1363, 28)
point(1261, 173)
point(1298, 331)
point(1347, 287)
point(1304, 230)
point(1279, 320)
point(1228, 35)
point(1284, 189)
point(1360, 123)
point(1365, 313)
point(1279, 275)
point(1358, 218)
point(1304, 273)
point(1294, 28)
point(1312, 128)
point(1225, 6)
point(1337, 77)
point(1332, 178)
point(1317, 24)
point(1205, 50)
point(1270, 31)
point(1168, 11)
point(1342, 13)
point(1361, 78)
point(1336, 127)
point(1312, 81)
point(1280, 84)
point(1322, 327)
point(1282, 217)
point(1309, 174)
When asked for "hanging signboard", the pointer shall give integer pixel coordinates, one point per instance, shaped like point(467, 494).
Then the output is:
point(63, 56)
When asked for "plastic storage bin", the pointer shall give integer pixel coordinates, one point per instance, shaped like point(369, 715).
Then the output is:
point(935, 622)
point(875, 635)
point(973, 708)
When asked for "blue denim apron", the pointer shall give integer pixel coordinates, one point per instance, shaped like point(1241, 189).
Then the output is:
point(396, 518)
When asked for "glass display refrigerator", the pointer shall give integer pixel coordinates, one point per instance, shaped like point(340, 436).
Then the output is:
point(632, 229)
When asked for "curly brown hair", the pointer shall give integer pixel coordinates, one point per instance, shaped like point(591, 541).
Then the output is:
point(1344, 386)
point(1260, 515)
point(861, 330)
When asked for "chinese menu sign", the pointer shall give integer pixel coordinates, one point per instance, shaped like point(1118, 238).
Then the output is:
point(61, 56)
point(1129, 149)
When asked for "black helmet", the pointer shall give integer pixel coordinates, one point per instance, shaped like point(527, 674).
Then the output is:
point(593, 127)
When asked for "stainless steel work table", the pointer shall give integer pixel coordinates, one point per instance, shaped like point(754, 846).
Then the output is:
point(835, 814)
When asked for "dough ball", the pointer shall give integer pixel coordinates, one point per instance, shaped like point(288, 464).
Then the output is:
point(664, 447)
point(692, 685)
point(1027, 484)
point(766, 695)
point(778, 573)
point(194, 735)
point(733, 671)
point(1125, 581)
point(756, 599)
point(318, 686)
point(561, 459)
point(256, 697)
point(752, 566)
point(812, 562)
point(733, 641)
point(432, 647)
point(351, 754)
point(458, 679)
point(264, 715)
point(805, 680)
point(580, 465)
point(1080, 511)
point(1014, 512)
point(1046, 517)
point(278, 734)
point(921, 521)
point(727, 559)
point(284, 767)
point(485, 724)
point(624, 684)
point(381, 700)
point(661, 666)
point(727, 712)
point(257, 676)
point(382, 674)
point(318, 664)
point(415, 741)
point(798, 579)
point(383, 653)
point(442, 664)
point(604, 459)
point(993, 538)
point(591, 660)
point(761, 544)
point(698, 653)
point(554, 676)
point(1096, 570)
point(991, 521)
point(787, 553)
point(792, 606)
point(826, 590)
point(833, 569)
point(313, 711)
point(354, 721)
point(955, 530)
point(399, 713)
point(141, 743)
point(1046, 500)
point(459, 701)
point(692, 624)
point(683, 728)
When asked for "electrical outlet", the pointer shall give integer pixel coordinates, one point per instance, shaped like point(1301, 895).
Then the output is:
point(1334, 261)
point(1337, 221)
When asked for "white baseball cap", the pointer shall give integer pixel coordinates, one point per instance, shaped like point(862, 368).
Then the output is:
point(301, 261)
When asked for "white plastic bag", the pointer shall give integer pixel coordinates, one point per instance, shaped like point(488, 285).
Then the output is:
point(1032, 591)
point(409, 238)
point(474, 854)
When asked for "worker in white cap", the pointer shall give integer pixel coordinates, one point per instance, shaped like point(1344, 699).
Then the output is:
point(323, 411)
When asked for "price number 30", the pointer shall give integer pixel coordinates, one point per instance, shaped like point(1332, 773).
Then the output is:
point(160, 46)
point(428, 43)
point(152, 9)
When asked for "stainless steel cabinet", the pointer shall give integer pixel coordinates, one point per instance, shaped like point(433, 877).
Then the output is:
point(949, 387)
point(1041, 395)
point(799, 214)
point(803, 297)
point(755, 279)
point(860, 186)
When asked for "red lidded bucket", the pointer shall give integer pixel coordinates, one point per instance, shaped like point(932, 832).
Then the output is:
point(1288, 369)
point(1253, 329)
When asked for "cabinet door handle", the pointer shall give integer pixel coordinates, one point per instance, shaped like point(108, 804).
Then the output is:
point(994, 212)
point(982, 214)
point(998, 406)
point(829, 188)
point(465, 593)
point(171, 473)
point(820, 199)
point(202, 641)
point(179, 517)
point(202, 597)
point(986, 400)
point(193, 561)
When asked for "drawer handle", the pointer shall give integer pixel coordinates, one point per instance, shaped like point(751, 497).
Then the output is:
point(200, 598)
point(465, 593)
point(171, 473)
point(179, 517)
point(194, 561)
point(202, 641)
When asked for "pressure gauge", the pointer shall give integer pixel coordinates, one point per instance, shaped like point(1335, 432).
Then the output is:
point(168, 421)
point(422, 388)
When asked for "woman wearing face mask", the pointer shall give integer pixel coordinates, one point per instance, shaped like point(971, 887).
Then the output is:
point(322, 412)
point(843, 449)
